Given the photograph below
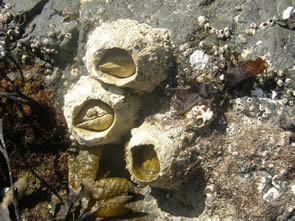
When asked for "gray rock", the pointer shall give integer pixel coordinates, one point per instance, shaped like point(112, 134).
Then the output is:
point(25, 5)
point(55, 22)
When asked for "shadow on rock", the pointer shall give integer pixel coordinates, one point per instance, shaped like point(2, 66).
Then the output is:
point(188, 201)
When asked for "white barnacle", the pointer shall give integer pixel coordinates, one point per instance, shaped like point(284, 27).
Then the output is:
point(128, 54)
point(68, 35)
point(98, 115)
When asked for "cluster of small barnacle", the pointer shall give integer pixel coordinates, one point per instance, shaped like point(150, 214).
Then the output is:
point(253, 28)
point(220, 34)
point(14, 47)
point(16, 58)
point(223, 71)
point(263, 110)
point(276, 80)
point(11, 28)
point(253, 106)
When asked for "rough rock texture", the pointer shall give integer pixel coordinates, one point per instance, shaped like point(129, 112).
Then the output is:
point(246, 156)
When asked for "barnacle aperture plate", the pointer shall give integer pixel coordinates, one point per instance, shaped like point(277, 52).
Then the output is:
point(95, 115)
point(117, 62)
point(146, 165)
point(128, 54)
point(99, 114)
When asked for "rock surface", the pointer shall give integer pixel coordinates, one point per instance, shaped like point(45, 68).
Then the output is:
point(246, 159)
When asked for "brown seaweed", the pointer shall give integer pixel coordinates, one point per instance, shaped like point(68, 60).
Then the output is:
point(254, 67)
point(199, 93)
point(235, 74)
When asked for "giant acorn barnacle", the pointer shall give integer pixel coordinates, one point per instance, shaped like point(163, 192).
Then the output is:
point(128, 54)
point(100, 109)
point(99, 114)
point(153, 155)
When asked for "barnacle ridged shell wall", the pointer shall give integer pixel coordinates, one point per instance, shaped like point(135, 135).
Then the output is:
point(98, 114)
point(128, 54)
point(156, 154)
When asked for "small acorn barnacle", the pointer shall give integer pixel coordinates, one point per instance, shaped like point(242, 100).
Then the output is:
point(94, 115)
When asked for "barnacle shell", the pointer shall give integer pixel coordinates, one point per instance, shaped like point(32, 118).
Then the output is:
point(128, 54)
point(98, 114)
point(155, 155)
point(199, 116)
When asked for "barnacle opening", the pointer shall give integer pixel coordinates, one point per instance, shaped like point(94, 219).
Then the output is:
point(200, 122)
point(146, 165)
point(117, 62)
point(94, 115)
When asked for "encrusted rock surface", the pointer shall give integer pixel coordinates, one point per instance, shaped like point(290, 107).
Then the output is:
point(244, 155)
point(245, 169)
